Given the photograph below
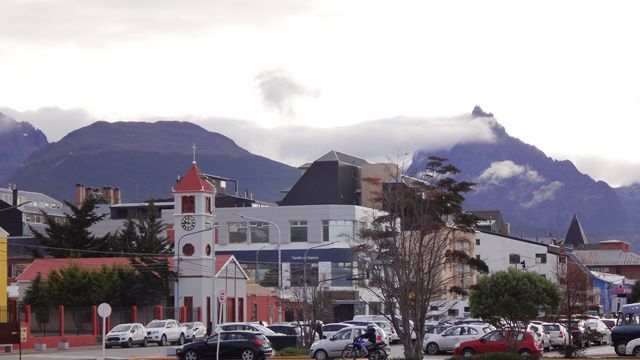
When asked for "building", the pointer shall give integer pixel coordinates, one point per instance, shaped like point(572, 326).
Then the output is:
point(613, 290)
point(21, 209)
point(575, 235)
point(501, 252)
point(492, 221)
point(613, 257)
point(4, 303)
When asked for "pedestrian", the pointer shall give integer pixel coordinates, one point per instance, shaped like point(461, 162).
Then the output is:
point(319, 325)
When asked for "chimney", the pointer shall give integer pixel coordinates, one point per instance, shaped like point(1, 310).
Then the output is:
point(106, 194)
point(88, 192)
point(15, 195)
point(116, 196)
point(79, 194)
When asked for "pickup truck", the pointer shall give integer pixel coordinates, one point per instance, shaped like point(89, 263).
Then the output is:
point(165, 332)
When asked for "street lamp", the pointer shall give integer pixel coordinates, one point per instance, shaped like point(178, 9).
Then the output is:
point(304, 261)
point(177, 305)
point(279, 245)
point(16, 206)
point(258, 252)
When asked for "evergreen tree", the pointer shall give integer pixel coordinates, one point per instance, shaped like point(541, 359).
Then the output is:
point(73, 234)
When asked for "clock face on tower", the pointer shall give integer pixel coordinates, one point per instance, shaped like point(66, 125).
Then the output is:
point(188, 223)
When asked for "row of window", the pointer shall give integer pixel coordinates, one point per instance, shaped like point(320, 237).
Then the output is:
point(258, 232)
point(267, 274)
point(515, 258)
point(189, 204)
point(40, 219)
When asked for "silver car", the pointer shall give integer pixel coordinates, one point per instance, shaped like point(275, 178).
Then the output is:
point(196, 331)
point(332, 347)
point(559, 335)
point(447, 340)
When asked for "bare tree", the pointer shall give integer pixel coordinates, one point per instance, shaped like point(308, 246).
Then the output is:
point(575, 288)
point(415, 252)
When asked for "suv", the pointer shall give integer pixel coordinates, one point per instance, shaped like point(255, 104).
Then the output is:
point(165, 332)
point(627, 328)
point(126, 335)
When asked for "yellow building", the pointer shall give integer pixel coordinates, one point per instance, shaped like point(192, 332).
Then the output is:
point(3, 275)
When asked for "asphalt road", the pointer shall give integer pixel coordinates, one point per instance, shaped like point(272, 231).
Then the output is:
point(94, 353)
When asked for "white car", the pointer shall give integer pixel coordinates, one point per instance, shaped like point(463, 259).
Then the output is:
point(328, 330)
point(633, 347)
point(599, 330)
point(434, 344)
point(245, 326)
point(196, 331)
point(332, 347)
point(559, 336)
point(165, 332)
point(126, 335)
point(387, 335)
point(541, 334)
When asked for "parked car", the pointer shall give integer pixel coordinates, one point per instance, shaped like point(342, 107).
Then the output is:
point(609, 322)
point(633, 347)
point(329, 329)
point(126, 335)
point(559, 336)
point(598, 332)
point(286, 329)
point(627, 327)
point(245, 326)
point(196, 331)
point(541, 334)
point(245, 345)
point(447, 340)
point(578, 333)
point(496, 341)
point(165, 332)
point(332, 347)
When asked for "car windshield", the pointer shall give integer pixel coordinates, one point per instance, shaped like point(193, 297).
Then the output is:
point(189, 326)
point(156, 324)
point(282, 329)
point(551, 327)
point(263, 329)
point(121, 328)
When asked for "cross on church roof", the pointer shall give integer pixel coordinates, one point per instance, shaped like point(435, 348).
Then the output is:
point(194, 152)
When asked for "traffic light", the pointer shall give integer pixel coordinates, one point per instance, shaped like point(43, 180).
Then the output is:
point(524, 266)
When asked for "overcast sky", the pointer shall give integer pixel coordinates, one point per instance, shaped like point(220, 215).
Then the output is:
point(561, 75)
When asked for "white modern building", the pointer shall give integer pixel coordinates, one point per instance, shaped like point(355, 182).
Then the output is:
point(501, 252)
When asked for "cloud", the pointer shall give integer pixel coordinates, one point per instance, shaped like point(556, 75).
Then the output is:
point(502, 170)
point(53, 121)
point(614, 170)
point(278, 90)
point(94, 22)
point(545, 192)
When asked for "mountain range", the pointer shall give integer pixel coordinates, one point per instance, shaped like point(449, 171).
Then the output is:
point(537, 195)
point(144, 160)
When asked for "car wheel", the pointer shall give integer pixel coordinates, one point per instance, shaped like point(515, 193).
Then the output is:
point(620, 348)
point(636, 351)
point(190, 355)
point(321, 355)
point(163, 340)
point(468, 352)
point(432, 348)
point(248, 354)
point(525, 352)
point(181, 340)
point(145, 342)
point(128, 343)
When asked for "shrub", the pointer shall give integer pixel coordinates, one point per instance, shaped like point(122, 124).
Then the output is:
point(498, 356)
point(290, 351)
point(571, 351)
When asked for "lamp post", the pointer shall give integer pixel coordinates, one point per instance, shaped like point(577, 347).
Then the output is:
point(258, 252)
point(177, 305)
point(304, 262)
point(279, 253)
point(16, 206)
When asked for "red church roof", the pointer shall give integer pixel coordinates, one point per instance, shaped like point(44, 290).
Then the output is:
point(193, 181)
point(45, 266)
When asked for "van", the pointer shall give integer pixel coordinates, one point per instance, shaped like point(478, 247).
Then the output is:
point(627, 327)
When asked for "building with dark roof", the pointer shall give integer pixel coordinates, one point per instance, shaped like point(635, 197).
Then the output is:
point(575, 235)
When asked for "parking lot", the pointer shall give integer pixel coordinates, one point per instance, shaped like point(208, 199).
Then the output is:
point(93, 353)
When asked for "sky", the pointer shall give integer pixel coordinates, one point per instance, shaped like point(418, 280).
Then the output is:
point(563, 76)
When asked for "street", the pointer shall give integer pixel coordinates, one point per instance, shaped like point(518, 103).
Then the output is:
point(93, 353)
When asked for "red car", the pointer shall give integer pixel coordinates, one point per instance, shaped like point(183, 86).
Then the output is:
point(496, 342)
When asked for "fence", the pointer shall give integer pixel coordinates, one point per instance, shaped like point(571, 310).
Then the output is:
point(44, 322)
point(78, 321)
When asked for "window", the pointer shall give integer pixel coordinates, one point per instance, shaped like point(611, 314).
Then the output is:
point(237, 232)
point(335, 230)
point(343, 335)
point(375, 308)
point(541, 258)
point(514, 259)
point(494, 337)
point(268, 275)
point(188, 204)
point(259, 232)
point(341, 273)
point(562, 260)
point(477, 241)
point(298, 230)
point(297, 274)
point(452, 312)
point(208, 205)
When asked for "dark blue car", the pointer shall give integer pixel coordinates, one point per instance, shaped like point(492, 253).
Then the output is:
point(627, 328)
point(243, 345)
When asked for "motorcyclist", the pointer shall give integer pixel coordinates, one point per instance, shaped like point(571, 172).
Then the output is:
point(370, 336)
